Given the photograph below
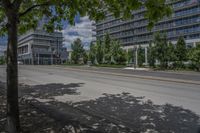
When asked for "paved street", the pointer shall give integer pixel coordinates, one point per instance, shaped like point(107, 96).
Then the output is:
point(93, 85)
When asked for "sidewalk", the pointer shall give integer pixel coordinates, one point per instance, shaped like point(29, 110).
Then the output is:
point(112, 113)
point(39, 114)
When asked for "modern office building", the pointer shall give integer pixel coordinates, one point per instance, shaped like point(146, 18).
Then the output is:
point(185, 21)
point(94, 35)
point(40, 47)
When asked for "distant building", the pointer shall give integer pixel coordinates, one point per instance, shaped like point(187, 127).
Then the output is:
point(185, 21)
point(94, 35)
point(132, 33)
point(40, 47)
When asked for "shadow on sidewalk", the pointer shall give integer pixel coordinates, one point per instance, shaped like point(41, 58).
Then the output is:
point(50, 90)
point(125, 110)
point(116, 112)
point(111, 113)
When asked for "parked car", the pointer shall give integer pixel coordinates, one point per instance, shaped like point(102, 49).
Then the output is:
point(20, 63)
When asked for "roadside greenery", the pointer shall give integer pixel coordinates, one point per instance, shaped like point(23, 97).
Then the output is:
point(107, 51)
point(79, 55)
point(194, 57)
point(151, 56)
point(173, 56)
point(15, 16)
point(161, 46)
point(2, 60)
point(171, 52)
point(93, 53)
point(161, 54)
point(130, 56)
point(141, 56)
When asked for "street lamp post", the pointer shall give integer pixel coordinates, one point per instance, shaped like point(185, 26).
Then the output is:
point(135, 60)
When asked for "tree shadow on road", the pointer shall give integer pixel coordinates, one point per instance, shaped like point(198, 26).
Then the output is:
point(48, 91)
point(125, 110)
point(113, 113)
point(34, 113)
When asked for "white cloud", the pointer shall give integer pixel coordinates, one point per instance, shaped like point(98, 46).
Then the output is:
point(82, 30)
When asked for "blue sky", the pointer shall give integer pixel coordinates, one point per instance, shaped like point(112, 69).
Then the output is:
point(82, 29)
point(3, 41)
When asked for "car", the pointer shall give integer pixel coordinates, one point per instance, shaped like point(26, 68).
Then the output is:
point(19, 62)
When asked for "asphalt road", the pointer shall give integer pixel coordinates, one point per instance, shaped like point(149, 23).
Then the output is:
point(93, 85)
point(187, 75)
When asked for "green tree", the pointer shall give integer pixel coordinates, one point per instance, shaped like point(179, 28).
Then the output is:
point(107, 48)
point(107, 43)
point(181, 50)
point(15, 16)
point(93, 53)
point(130, 56)
point(141, 56)
point(151, 56)
point(161, 49)
point(194, 56)
point(99, 52)
point(114, 51)
point(85, 57)
point(77, 51)
point(171, 53)
point(118, 55)
point(2, 60)
point(122, 58)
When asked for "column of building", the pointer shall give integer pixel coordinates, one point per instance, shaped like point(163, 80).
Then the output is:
point(146, 56)
point(30, 53)
point(127, 56)
point(135, 55)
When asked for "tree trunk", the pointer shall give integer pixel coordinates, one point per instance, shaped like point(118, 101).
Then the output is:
point(12, 76)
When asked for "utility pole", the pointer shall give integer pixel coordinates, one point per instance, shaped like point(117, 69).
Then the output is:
point(38, 58)
point(146, 56)
point(136, 58)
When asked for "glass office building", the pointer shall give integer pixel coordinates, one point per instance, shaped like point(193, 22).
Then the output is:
point(185, 21)
point(40, 47)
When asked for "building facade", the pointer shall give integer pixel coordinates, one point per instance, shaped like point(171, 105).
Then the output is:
point(185, 21)
point(40, 47)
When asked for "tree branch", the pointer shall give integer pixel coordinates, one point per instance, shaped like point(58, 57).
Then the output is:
point(32, 7)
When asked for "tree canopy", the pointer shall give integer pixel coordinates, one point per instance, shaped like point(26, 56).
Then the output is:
point(194, 56)
point(181, 50)
point(161, 47)
point(19, 16)
point(77, 51)
point(29, 12)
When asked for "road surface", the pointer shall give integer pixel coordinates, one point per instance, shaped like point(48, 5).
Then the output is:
point(94, 85)
point(106, 98)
